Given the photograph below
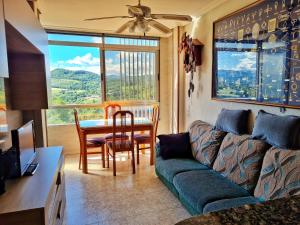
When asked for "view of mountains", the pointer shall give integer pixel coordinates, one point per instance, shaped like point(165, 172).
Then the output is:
point(79, 87)
point(84, 87)
point(236, 84)
point(242, 84)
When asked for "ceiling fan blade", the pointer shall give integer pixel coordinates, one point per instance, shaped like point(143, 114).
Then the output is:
point(172, 17)
point(108, 17)
point(124, 26)
point(159, 26)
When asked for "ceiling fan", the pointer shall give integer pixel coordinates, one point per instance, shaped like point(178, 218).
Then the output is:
point(143, 19)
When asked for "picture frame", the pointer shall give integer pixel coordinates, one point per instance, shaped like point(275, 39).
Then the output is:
point(256, 55)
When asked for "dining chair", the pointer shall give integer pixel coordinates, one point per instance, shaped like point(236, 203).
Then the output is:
point(97, 142)
point(109, 111)
point(122, 139)
point(146, 139)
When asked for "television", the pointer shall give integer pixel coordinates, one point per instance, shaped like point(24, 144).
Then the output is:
point(23, 141)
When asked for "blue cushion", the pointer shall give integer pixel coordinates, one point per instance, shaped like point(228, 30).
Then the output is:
point(280, 131)
point(200, 187)
point(175, 145)
point(170, 167)
point(233, 121)
point(229, 203)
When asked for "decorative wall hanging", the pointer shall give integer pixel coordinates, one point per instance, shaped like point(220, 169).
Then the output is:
point(256, 54)
point(191, 57)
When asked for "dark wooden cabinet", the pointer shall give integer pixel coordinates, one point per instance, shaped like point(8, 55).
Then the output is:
point(27, 47)
point(39, 199)
point(3, 49)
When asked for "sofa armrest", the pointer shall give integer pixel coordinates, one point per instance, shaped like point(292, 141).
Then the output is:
point(157, 149)
point(229, 203)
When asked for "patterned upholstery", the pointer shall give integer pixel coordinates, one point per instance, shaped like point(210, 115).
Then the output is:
point(240, 159)
point(96, 141)
point(205, 142)
point(120, 145)
point(280, 174)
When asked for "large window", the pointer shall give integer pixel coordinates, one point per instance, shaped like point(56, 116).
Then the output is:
point(86, 71)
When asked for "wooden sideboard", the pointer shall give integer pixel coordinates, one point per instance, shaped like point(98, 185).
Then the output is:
point(39, 199)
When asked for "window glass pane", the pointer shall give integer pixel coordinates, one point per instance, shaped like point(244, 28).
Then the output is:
point(66, 115)
point(130, 75)
point(74, 38)
point(236, 75)
point(75, 75)
point(130, 41)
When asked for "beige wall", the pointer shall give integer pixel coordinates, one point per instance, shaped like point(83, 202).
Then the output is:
point(66, 135)
point(200, 106)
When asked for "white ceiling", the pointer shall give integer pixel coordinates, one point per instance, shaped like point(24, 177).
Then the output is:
point(69, 14)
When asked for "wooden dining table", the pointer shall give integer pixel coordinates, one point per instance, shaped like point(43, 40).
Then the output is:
point(105, 126)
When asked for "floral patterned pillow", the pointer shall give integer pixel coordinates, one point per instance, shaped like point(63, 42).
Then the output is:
point(240, 159)
point(205, 142)
point(280, 174)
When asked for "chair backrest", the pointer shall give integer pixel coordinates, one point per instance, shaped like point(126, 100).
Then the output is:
point(155, 118)
point(123, 129)
point(110, 110)
point(77, 124)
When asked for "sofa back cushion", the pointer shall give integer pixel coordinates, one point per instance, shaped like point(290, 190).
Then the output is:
point(233, 121)
point(240, 159)
point(280, 174)
point(279, 131)
point(205, 142)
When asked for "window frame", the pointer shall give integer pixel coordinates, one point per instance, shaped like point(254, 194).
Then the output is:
point(111, 47)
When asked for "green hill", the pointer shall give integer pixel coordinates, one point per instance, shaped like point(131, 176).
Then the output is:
point(84, 87)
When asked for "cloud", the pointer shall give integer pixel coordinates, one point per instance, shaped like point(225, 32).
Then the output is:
point(90, 63)
point(112, 68)
point(248, 62)
point(85, 60)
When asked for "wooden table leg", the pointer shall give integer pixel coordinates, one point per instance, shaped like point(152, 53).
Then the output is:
point(84, 156)
point(152, 147)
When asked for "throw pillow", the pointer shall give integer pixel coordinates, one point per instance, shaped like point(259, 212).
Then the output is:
point(280, 175)
point(279, 131)
point(240, 159)
point(205, 142)
point(234, 121)
point(175, 146)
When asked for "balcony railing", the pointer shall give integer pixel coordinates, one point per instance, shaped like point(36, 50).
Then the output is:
point(63, 114)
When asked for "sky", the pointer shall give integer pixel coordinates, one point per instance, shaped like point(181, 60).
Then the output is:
point(241, 61)
point(273, 64)
point(237, 61)
point(86, 58)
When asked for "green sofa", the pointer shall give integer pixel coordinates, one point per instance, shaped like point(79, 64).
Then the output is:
point(200, 188)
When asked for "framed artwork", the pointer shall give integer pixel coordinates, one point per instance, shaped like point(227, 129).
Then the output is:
point(256, 54)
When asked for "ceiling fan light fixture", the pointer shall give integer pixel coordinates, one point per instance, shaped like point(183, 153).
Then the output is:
point(132, 28)
point(144, 20)
point(142, 26)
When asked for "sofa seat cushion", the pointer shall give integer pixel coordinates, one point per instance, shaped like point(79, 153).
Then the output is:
point(199, 187)
point(170, 167)
point(240, 159)
point(280, 175)
point(205, 142)
point(229, 203)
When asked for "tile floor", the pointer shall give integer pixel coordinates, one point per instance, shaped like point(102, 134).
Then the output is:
point(99, 198)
